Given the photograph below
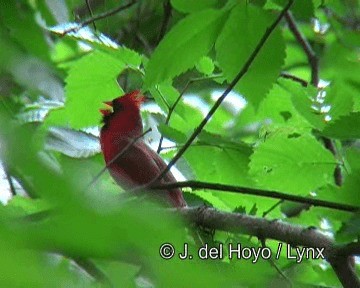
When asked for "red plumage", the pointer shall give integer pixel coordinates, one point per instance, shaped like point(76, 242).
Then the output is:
point(140, 164)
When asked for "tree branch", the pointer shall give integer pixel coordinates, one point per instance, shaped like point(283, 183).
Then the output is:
point(262, 228)
point(242, 72)
point(91, 12)
point(292, 77)
point(257, 192)
point(345, 271)
point(349, 249)
point(314, 64)
point(166, 19)
point(100, 16)
point(313, 61)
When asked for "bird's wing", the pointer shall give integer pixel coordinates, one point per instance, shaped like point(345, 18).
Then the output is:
point(139, 166)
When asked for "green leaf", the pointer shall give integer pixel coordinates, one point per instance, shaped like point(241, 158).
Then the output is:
point(121, 274)
point(303, 99)
point(341, 63)
point(165, 96)
point(20, 21)
point(63, 51)
point(91, 80)
point(22, 206)
point(346, 127)
point(172, 134)
point(184, 117)
point(302, 10)
point(279, 108)
point(225, 165)
point(352, 155)
point(205, 65)
point(350, 190)
point(187, 6)
point(350, 231)
point(190, 39)
point(337, 100)
point(241, 34)
point(130, 57)
point(340, 98)
point(292, 163)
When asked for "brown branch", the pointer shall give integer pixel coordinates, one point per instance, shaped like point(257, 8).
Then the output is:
point(291, 234)
point(350, 22)
point(100, 16)
point(91, 12)
point(329, 144)
point(257, 192)
point(242, 72)
point(292, 77)
point(314, 64)
point(345, 271)
point(349, 249)
point(166, 20)
point(313, 60)
point(254, 226)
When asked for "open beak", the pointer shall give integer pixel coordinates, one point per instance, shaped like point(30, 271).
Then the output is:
point(108, 103)
point(106, 112)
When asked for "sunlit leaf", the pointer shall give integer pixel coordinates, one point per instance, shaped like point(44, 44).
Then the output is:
point(292, 163)
point(241, 34)
point(190, 39)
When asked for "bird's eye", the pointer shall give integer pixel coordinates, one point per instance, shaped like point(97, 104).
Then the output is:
point(117, 106)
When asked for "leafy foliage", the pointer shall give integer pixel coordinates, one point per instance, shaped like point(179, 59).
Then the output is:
point(272, 133)
point(244, 29)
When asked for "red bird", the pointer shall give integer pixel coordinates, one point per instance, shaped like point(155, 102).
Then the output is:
point(140, 164)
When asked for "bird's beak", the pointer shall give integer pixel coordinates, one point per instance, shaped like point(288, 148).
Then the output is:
point(106, 112)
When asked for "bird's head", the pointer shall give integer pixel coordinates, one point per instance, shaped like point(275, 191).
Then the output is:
point(127, 103)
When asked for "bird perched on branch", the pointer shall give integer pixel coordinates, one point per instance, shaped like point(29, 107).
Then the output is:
point(138, 164)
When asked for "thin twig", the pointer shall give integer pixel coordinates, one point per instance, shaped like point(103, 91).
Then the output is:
point(286, 75)
point(349, 22)
point(272, 208)
point(166, 20)
point(313, 60)
point(92, 270)
point(91, 12)
point(172, 107)
point(314, 65)
point(117, 156)
point(273, 264)
point(257, 192)
point(100, 16)
point(242, 72)
point(11, 183)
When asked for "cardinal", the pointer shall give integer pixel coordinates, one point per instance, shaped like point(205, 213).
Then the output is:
point(139, 165)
